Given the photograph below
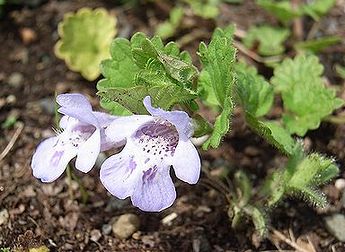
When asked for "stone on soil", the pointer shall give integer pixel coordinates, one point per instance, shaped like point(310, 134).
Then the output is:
point(126, 225)
point(336, 226)
point(4, 217)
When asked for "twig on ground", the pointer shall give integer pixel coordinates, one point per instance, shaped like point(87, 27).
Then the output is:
point(255, 56)
point(240, 33)
point(12, 141)
point(190, 37)
point(288, 241)
point(297, 26)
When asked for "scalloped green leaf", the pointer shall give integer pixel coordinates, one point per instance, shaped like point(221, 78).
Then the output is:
point(164, 96)
point(145, 66)
point(85, 38)
point(254, 92)
point(306, 99)
point(220, 81)
point(271, 39)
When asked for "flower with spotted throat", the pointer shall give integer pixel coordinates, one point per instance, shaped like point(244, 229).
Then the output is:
point(82, 135)
point(154, 143)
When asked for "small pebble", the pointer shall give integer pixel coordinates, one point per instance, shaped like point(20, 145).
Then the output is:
point(340, 184)
point(95, 235)
point(15, 80)
point(28, 35)
point(106, 229)
point(167, 220)
point(126, 225)
point(136, 235)
point(4, 216)
point(11, 99)
point(48, 105)
point(335, 224)
point(148, 240)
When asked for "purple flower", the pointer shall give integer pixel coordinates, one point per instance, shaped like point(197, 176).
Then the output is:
point(153, 144)
point(82, 135)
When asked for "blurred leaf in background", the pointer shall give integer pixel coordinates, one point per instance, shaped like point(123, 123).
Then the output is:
point(204, 8)
point(270, 39)
point(85, 39)
point(318, 8)
point(340, 70)
point(306, 99)
point(284, 10)
point(317, 45)
point(168, 28)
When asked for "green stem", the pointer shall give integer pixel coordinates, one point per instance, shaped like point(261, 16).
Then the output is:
point(83, 191)
point(340, 119)
point(69, 177)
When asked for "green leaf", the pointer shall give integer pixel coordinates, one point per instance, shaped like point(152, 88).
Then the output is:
point(308, 173)
point(340, 71)
point(258, 217)
point(313, 196)
point(318, 8)
point(273, 133)
point(300, 178)
point(313, 170)
point(204, 8)
point(245, 188)
point(85, 39)
point(164, 96)
point(254, 92)
point(201, 126)
point(271, 39)
point(165, 63)
point(168, 28)
point(317, 45)
point(306, 99)
point(218, 60)
point(282, 10)
point(142, 67)
point(273, 188)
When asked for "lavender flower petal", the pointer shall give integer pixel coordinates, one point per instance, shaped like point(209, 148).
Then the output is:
point(73, 101)
point(125, 126)
point(76, 106)
point(120, 173)
point(104, 119)
point(155, 190)
point(186, 162)
point(179, 119)
point(88, 152)
point(48, 163)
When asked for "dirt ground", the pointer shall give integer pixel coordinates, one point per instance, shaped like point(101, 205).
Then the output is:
point(54, 215)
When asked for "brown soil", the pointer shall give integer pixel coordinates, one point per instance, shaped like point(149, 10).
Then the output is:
point(46, 214)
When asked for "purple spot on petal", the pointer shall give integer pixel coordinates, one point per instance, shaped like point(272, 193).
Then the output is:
point(132, 164)
point(54, 161)
point(147, 159)
point(158, 135)
point(149, 175)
